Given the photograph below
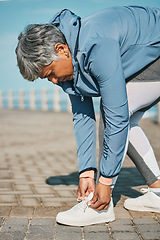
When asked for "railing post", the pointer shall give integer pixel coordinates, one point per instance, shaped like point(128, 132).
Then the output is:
point(32, 100)
point(56, 99)
point(10, 99)
point(159, 112)
point(69, 105)
point(1, 100)
point(21, 99)
point(44, 99)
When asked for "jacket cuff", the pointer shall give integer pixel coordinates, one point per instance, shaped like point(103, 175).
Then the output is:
point(89, 174)
point(105, 181)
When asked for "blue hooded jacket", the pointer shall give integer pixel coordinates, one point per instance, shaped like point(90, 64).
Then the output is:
point(107, 48)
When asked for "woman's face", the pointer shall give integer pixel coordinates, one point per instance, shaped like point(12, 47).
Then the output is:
point(61, 69)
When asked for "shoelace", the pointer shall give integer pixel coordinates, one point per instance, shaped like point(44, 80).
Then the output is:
point(83, 204)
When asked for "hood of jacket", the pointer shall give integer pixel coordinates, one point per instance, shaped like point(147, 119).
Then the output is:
point(69, 24)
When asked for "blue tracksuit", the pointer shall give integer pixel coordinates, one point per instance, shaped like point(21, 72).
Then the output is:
point(107, 48)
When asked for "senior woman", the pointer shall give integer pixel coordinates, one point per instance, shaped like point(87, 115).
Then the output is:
point(114, 54)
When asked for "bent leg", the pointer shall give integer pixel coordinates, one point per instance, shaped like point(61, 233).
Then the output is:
point(141, 96)
point(141, 152)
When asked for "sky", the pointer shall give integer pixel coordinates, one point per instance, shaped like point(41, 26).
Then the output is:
point(16, 14)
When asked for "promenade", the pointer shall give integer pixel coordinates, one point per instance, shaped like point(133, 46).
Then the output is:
point(39, 178)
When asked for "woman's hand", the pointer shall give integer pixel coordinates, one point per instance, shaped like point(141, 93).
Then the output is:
point(86, 186)
point(102, 197)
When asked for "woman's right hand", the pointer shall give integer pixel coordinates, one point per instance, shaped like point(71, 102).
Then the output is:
point(86, 186)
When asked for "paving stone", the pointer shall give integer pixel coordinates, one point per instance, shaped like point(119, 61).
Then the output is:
point(1, 221)
point(23, 187)
point(46, 212)
point(122, 225)
point(98, 231)
point(66, 193)
point(40, 232)
point(15, 221)
point(120, 222)
point(151, 235)
point(49, 203)
point(125, 236)
point(5, 175)
point(15, 225)
point(97, 236)
point(9, 204)
point(44, 189)
point(21, 176)
point(41, 221)
point(136, 214)
point(5, 211)
point(25, 212)
point(6, 185)
point(7, 198)
point(39, 237)
point(26, 201)
point(66, 200)
point(144, 221)
point(121, 213)
point(68, 232)
point(12, 236)
point(152, 228)
point(96, 228)
point(14, 228)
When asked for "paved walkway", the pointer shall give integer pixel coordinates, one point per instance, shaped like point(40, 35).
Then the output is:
point(39, 147)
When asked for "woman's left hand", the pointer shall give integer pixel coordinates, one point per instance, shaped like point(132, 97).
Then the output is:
point(101, 198)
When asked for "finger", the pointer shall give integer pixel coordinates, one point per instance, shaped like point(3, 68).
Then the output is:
point(106, 207)
point(87, 193)
point(100, 206)
point(103, 207)
point(91, 189)
point(78, 196)
point(97, 204)
point(94, 199)
point(78, 193)
point(82, 194)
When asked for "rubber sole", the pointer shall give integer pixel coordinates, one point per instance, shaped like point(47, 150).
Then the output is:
point(141, 209)
point(80, 224)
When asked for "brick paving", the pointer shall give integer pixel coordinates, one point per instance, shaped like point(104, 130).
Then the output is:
point(39, 178)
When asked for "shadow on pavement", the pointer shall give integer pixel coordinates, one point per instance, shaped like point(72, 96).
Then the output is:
point(71, 179)
point(127, 180)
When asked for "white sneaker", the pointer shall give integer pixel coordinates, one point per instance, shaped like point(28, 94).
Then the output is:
point(148, 202)
point(82, 215)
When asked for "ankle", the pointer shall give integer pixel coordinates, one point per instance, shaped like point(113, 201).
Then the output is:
point(155, 184)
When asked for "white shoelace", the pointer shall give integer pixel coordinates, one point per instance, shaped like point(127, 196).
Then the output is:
point(83, 204)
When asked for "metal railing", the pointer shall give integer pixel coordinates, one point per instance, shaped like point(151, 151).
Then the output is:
point(33, 99)
point(53, 99)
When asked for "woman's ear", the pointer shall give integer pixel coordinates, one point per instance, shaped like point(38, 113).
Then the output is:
point(61, 48)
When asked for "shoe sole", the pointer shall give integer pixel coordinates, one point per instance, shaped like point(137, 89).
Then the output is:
point(80, 224)
point(141, 209)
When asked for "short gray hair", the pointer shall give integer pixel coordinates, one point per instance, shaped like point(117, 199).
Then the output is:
point(35, 49)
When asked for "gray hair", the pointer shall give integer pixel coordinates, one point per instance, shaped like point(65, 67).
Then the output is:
point(35, 49)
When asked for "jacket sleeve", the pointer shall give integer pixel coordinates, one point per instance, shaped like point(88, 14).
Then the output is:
point(106, 66)
point(85, 132)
